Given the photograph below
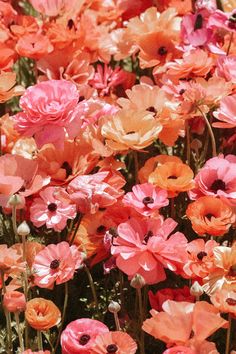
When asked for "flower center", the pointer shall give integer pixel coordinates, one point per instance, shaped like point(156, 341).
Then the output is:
point(151, 109)
point(148, 235)
point(232, 21)
point(201, 254)
point(148, 200)
point(172, 177)
point(101, 229)
point(162, 50)
point(113, 232)
point(230, 301)
point(111, 348)
point(131, 132)
point(84, 339)
point(70, 24)
point(218, 184)
point(55, 264)
point(209, 216)
point(182, 91)
point(67, 167)
point(52, 207)
point(81, 98)
point(232, 271)
point(198, 23)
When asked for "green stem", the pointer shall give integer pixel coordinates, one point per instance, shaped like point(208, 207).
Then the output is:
point(117, 322)
point(63, 314)
point(8, 318)
point(14, 221)
point(40, 340)
point(230, 42)
point(136, 166)
point(140, 303)
point(227, 346)
point(76, 229)
point(213, 142)
point(19, 331)
point(91, 283)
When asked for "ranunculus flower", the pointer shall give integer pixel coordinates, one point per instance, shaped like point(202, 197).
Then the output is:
point(225, 301)
point(79, 336)
point(53, 7)
point(29, 351)
point(179, 294)
point(42, 314)
point(226, 113)
point(226, 67)
point(14, 301)
point(114, 342)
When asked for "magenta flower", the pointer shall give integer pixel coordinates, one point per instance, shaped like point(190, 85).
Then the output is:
point(49, 110)
point(146, 199)
point(79, 336)
point(226, 113)
point(217, 178)
point(53, 207)
point(56, 263)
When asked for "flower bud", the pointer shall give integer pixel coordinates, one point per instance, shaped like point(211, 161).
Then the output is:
point(23, 229)
point(196, 289)
point(14, 301)
point(114, 307)
point(137, 281)
point(15, 201)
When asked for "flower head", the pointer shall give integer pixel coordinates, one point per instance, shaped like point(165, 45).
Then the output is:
point(114, 342)
point(14, 301)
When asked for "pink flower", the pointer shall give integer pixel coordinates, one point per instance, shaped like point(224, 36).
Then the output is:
point(226, 20)
point(114, 342)
point(144, 247)
point(180, 350)
point(53, 7)
point(49, 111)
point(217, 178)
point(79, 336)
point(226, 113)
point(53, 207)
point(179, 294)
point(226, 67)
point(29, 351)
point(56, 263)
point(146, 198)
point(14, 301)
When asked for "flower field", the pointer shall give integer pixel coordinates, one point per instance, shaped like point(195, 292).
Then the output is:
point(118, 176)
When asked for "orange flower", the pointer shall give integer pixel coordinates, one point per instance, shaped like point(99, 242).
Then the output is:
point(33, 46)
point(173, 177)
point(130, 129)
point(225, 301)
point(7, 57)
point(7, 89)
point(210, 215)
point(8, 134)
point(152, 163)
point(42, 314)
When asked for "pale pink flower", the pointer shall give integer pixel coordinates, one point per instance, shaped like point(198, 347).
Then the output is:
point(179, 350)
point(50, 111)
point(220, 19)
point(226, 113)
point(53, 207)
point(56, 263)
point(79, 336)
point(53, 7)
point(226, 67)
point(146, 199)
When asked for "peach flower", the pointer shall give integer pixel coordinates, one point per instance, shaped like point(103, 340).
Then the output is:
point(10, 261)
point(14, 301)
point(225, 301)
point(7, 86)
point(42, 314)
point(53, 7)
point(114, 342)
point(226, 113)
point(33, 46)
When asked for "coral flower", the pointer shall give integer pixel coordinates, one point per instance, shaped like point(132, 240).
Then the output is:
point(220, 19)
point(29, 351)
point(14, 301)
point(146, 199)
point(7, 86)
point(183, 322)
point(10, 260)
point(48, 109)
point(225, 301)
point(56, 263)
point(53, 7)
point(79, 336)
point(226, 113)
point(210, 215)
point(173, 177)
point(42, 314)
point(180, 294)
point(226, 67)
point(129, 129)
point(33, 46)
point(53, 207)
point(114, 342)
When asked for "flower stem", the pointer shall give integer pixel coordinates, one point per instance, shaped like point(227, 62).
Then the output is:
point(230, 42)
point(136, 166)
point(76, 229)
point(8, 319)
point(140, 303)
point(188, 143)
point(91, 283)
point(63, 314)
point(227, 346)
point(21, 341)
point(117, 322)
point(14, 221)
point(40, 340)
point(213, 142)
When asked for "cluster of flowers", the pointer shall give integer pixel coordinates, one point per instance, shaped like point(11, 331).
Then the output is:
point(120, 156)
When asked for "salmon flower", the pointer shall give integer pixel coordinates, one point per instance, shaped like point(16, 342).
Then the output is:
point(33, 46)
point(14, 301)
point(173, 177)
point(210, 215)
point(226, 113)
point(226, 67)
point(129, 129)
point(79, 336)
point(10, 261)
point(29, 351)
point(225, 301)
point(42, 314)
point(7, 86)
point(56, 263)
point(114, 342)
point(53, 7)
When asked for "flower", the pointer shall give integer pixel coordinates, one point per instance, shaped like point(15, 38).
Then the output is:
point(29, 351)
point(210, 215)
point(42, 314)
point(226, 113)
point(14, 301)
point(180, 294)
point(56, 263)
point(79, 336)
point(220, 19)
point(7, 86)
point(130, 129)
point(225, 301)
point(173, 177)
point(114, 342)
point(53, 207)
point(146, 199)
point(33, 46)
point(48, 111)
point(180, 350)
point(10, 260)
point(226, 67)
point(53, 7)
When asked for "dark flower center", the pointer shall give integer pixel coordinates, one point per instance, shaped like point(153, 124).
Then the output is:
point(101, 229)
point(201, 254)
point(131, 132)
point(209, 216)
point(84, 339)
point(172, 177)
point(111, 348)
point(152, 109)
point(55, 264)
point(148, 235)
point(81, 98)
point(182, 91)
point(148, 200)
point(70, 24)
point(233, 18)
point(230, 301)
point(67, 167)
point(113, 232)
point(198, 23)
point(218, 184)
point(162, 50)
point(52, 207)
point(232, 271)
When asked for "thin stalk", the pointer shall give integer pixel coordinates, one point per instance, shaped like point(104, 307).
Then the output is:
point(91, 283)
point(40, 340)
point(172, 208)
point(213, 142)
point(122, 300)
point(8, 318)
point(76, 229)
point(227, 346)
point(230, 42)
point(188, 143)
point(136, 166)
point(63, 314)
point(140, 303)
point(21, 341)
point(117, 322)
point(14, 220)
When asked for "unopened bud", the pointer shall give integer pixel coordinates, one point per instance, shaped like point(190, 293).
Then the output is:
point(23, 229)
point(137, 281)
point(196, 289)
point(114, 307)
point(15, 200)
